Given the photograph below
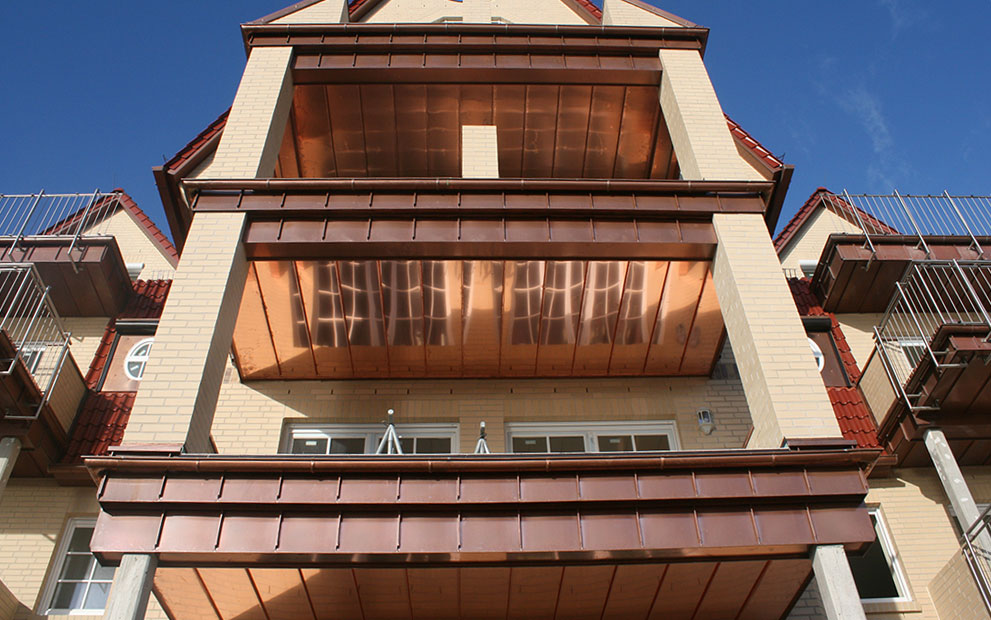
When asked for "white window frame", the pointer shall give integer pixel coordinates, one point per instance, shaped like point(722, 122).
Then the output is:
point(31, 354)
point(372, 434)
point(131, 357)
point(817, 354)
point(58, 563)
point(591, 430)
point(893, 558)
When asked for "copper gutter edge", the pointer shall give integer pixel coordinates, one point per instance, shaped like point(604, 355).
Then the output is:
point(492, 463)
point(456, 184)
point(571, 30)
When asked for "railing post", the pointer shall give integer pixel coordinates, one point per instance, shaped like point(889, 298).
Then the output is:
point(926, 339)
point(918, 231)
point(79, 229)
point(977, 299)
point(975, 245)
point(860, 222)
point(27, 219)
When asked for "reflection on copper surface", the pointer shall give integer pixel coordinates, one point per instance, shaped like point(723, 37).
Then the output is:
point(477, 318)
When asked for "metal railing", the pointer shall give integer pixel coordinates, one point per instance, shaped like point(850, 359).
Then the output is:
point(931, 295)
point(68, 216)
point(29, 320)
point(977, 551)
point(919, 216)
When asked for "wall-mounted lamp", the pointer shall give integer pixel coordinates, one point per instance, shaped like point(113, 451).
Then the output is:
point(706, 425)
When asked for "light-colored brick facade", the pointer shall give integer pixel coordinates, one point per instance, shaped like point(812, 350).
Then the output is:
point(479, 152)
point(784, 389)
point(622, 13)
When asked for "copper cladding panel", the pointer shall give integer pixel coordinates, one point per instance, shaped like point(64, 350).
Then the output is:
point(449, 318)
point(414, 130)
point(748, 590)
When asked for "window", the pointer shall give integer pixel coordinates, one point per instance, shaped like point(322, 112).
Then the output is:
point(365, 438)
point(878, 571)
point(817, 354)
point(591, 437)
point(827, 358)
point(914, 349)
point(137, 359)
point(31, 353)
point(79, 583)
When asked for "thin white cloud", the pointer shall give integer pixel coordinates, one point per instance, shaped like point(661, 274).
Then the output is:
point(904, 13)
point(888, 166)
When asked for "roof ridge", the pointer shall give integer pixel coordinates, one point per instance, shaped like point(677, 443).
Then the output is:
point(149, 227)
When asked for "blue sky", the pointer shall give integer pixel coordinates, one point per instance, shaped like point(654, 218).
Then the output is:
point(867, 95)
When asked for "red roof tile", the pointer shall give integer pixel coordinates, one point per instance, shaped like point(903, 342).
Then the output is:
point(186, 152)
point(154, 231)
point(100, 424)
point(147, 300)
point(795, 223)
point(755, 147)
point(856, 421)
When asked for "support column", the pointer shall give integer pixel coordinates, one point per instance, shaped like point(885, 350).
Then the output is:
point(10, 449)
point(836, 586)
point(178, 395)
point(785, 392)
point(479, 152)
point(623, 13)
point(131, 588)
point(950, 475)
point(699, 133)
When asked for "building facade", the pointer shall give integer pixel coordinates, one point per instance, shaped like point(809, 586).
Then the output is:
point(478, 315)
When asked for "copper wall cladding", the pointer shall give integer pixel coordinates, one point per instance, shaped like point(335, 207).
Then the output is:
point(417, 511)
point(747, 590)
point(477, 318)
point(414, 130)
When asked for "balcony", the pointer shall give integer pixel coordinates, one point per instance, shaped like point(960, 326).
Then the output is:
point(721, 533)
point(929, 366)
point(40, 385)
point(875, 238)
point(64, 236)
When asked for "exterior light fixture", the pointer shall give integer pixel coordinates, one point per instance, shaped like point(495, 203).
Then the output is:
point(706, 425)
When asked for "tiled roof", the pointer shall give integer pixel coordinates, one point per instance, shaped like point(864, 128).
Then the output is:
point(102, 355)
point(147, 299)
point(753, 145)
point(186, 152)
point(795, 223)
point(145, 222)
point(100, 424)
point(855, 418)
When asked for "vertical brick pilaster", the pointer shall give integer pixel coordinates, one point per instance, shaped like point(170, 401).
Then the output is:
point(477, 11)
point(479, 152)
point(701, 138)
point(252, 137)
point(181, 384)
point(784, 390)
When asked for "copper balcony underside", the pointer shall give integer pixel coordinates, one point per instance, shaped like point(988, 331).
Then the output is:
point(680, 535)
point(94, 282)
point(476, 318)
point(747, 590)
point(962, 395)
point(414, 130)
point(852, 279)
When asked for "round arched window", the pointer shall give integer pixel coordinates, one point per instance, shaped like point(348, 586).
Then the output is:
point(137, 359)
point(817, 353)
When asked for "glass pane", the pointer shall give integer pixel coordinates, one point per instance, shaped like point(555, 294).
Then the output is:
point(568, 444)
point(103, 572)
point(871, 571)
point(432, 445)
point(97, 597)
point(652, 442)
point(347, 445)
point(135, 368)
point(407, 444)
point(615, 443)
point(309, 446)
point(80, 539)
point(69, 596)
point(76, 567)
point(529, 444)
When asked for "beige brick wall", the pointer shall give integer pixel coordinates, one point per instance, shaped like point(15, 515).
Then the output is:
point(176, 401)
point(250, 417)
point(86, 332)
point(8, 603)
point(326, 12)
point(858, 329)
point(808, 242)
point(479, 152)
point(955, 594)
point(535, 12)
point(33, 515)
point(783, 386)
point(701, 139)
point(252, 137)
point(67, 392)
point(422, 11)
point(621, 13)
point(809, 605)
point(136, 246)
